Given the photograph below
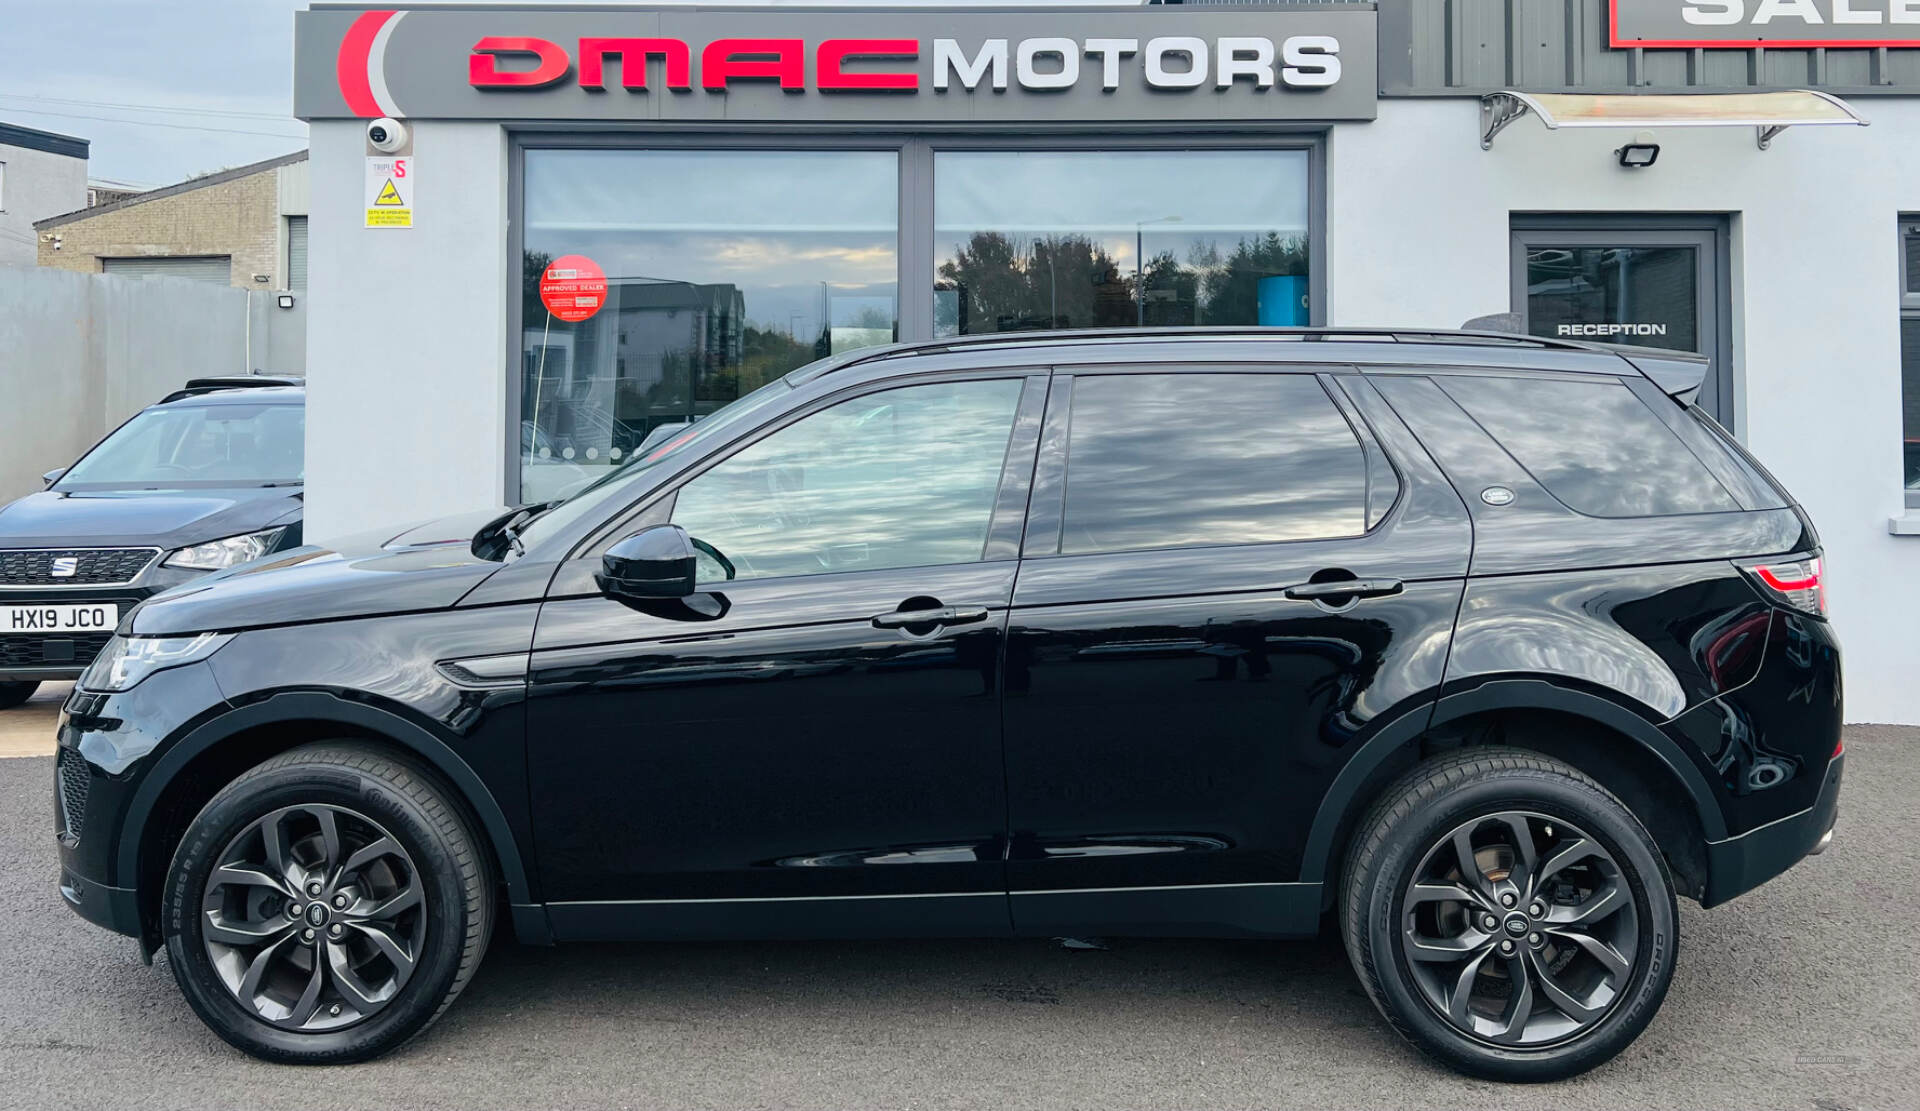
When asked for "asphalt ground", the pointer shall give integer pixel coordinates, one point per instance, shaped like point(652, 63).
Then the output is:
point(1799, 995)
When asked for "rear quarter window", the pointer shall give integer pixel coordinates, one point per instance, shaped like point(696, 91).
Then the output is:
point(1593, 444)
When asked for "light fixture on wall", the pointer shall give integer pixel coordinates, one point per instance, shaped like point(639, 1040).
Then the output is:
point(1639, 153)
point(286, 300)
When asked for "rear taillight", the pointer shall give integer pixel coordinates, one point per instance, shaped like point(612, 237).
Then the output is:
point(1797, 583)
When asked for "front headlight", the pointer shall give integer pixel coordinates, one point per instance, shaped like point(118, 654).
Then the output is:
point(218, 555)
point(125, 661)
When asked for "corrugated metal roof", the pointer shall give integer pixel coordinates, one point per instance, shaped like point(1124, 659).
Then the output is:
point(1470, 47)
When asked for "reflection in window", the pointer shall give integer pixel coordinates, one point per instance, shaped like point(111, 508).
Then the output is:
point(1593, 445)
point(900, 478)
point(725, 269)
point(1106, 239)
point(1910, 357)
point(1638, 295)
point(1186, 460)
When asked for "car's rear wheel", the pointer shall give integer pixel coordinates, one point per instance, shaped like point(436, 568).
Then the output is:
point(13, 694)
point(1509, 916)
point(326, 906)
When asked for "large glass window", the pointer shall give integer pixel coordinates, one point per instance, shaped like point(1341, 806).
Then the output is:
point(1617, 294)
point(1593, 445)
point(1102, 239)
point(899, 478)
point(724, 270)
point(1184, 460)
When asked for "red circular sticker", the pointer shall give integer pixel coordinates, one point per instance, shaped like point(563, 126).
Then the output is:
point(573, 287)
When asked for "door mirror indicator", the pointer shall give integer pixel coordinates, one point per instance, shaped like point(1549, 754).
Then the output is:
point(654, 563)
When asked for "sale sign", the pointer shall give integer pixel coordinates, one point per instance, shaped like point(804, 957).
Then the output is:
point(573, 287)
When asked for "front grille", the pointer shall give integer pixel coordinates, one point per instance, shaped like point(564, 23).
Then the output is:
point(74, 650)
point(92, 566)
point(74, 778)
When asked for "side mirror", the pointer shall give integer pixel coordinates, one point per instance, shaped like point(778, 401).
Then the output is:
point(656, 562)
point(53, 476)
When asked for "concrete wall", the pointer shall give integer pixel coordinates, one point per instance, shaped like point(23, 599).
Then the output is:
point(242, 218)
point(38, 185)
point(407, 346)
point(80, 353)
point(1418, 227)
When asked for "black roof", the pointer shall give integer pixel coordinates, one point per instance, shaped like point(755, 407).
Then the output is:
point(52, 142)
point(271, 392)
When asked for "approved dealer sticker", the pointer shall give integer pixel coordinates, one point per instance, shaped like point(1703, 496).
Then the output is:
point(573, 287)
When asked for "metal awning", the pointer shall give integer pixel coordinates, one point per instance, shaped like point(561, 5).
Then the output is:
point(1767, 113)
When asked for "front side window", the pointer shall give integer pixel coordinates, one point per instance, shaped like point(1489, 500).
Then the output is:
point(1188, 460)
point(1028, 240)
point(198, 446)
point(1594, 445)
point(899, 478)
point(724, 269)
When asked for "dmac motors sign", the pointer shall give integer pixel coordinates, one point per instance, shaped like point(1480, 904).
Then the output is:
point(882, 66)
point(1766, 23)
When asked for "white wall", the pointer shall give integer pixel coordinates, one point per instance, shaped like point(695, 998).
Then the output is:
point(407, 339)
point(1418, 222)
point(38, 185)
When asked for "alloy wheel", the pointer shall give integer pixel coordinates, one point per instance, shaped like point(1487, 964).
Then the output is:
point(314, 917)
point(1520, 930)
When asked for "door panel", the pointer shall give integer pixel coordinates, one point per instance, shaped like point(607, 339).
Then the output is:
point(1174, 718)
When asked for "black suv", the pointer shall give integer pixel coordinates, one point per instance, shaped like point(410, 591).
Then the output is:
point(206, 479)
point(1486, 647)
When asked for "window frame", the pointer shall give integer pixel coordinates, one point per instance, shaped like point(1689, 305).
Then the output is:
point(914, 252)
point(1046, 514)
point(1909, 225)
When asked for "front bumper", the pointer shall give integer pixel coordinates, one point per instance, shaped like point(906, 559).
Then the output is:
point(115, 908)
point(1740, 864)
point(46, 657)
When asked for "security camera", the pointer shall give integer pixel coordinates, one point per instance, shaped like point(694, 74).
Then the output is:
point(387, 135)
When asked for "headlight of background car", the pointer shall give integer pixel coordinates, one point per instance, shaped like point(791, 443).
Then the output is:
point(217, 555)
point(127, 660)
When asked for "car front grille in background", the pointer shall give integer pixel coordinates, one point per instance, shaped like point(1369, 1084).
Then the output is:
point(74, 778)
point(76, 650)
point(92, 566)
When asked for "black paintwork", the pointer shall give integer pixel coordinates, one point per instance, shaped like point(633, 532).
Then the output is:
point(92, 515)
point(1146, 742)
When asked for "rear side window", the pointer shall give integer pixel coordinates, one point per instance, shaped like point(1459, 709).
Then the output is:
point(1594, 445)
point(1191, 460)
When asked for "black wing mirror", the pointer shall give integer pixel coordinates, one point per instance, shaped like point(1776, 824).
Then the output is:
point(53, 476)
point(656, 562)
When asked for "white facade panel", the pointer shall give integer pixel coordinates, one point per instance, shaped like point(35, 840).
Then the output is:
point(1418, 225)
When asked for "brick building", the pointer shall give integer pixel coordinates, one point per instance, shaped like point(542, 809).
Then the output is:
point(245, 227)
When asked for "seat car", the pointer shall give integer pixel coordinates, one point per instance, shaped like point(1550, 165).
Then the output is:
point(1474, 647)
point(207, 478)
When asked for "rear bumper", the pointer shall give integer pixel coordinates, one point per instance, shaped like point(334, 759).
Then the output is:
point(1740, 864)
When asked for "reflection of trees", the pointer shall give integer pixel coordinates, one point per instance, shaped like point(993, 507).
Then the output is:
point(1002, 283)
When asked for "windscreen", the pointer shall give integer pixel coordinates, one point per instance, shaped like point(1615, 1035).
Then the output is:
point(198, 446)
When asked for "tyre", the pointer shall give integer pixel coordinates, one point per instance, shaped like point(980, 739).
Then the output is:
point(327, 905)
point(13, 694)
point(1508, 916)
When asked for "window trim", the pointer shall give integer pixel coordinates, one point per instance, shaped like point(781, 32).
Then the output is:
point(1046, 515)
point(1909, 225)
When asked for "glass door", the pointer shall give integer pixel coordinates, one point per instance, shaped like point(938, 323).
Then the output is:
point(1647, 281)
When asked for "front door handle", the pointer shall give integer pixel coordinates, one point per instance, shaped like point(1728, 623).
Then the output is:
point(944, 615)
point(1341, 589)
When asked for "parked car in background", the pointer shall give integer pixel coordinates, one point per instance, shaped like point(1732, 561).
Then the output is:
point(209, 477)
point(1482, 649)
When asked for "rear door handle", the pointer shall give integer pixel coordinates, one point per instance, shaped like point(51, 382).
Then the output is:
point(1345, 588)
point(945, 615)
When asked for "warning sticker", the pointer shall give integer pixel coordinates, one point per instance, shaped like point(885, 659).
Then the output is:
point(573, 287)
point(390, 192)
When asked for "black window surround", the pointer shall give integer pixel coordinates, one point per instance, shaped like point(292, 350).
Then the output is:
point(1910, 376)
point(916, 248)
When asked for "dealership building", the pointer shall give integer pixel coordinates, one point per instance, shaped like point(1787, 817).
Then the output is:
point(596, 220)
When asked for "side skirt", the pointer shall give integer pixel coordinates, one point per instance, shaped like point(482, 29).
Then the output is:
point(1210, 910)
point(957, 914)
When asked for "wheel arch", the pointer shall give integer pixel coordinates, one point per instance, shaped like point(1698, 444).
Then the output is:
point(1626, 753)
point(194, 768)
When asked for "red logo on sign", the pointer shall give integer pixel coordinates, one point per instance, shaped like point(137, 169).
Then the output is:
point(573, 287)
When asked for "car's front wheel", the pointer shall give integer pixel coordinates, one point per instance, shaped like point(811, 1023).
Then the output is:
point(1509, 916)
point(15, 694)
point(326, 906)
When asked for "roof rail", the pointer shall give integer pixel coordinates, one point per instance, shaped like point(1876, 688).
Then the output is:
point(197, 386)
point(1309, 335)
